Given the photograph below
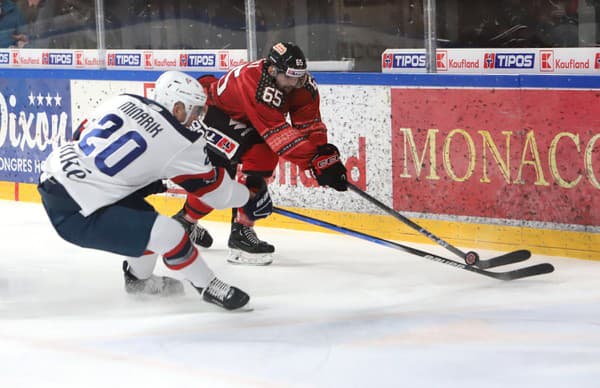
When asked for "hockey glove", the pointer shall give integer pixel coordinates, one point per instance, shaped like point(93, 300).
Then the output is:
point(328, 168)
point(155, 187)
point(259, 205)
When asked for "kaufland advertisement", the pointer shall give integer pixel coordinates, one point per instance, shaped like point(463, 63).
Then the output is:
point(184, 60)
point(482, 61)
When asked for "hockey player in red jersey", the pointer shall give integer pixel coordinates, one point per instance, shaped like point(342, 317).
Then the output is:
point(93, 187)
point(247, 125)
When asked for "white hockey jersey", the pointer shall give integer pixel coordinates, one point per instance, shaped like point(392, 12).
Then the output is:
point(127, 143)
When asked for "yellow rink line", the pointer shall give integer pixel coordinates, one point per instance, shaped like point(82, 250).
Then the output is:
point(583, 245)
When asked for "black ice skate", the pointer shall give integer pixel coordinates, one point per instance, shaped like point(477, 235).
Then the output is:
point(198, 234)
point(154, 285)
point(246, 248)
point(224, 295)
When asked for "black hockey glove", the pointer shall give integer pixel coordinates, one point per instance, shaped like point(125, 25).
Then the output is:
point(260, 204)
point(328, 169)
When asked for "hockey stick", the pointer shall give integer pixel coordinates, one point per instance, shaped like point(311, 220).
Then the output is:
point(508, 275)
point(508, 258)
point(471, 258)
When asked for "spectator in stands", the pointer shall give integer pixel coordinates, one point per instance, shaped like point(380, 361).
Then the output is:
point(12, 25)
point(30, 10)
point(563, 23)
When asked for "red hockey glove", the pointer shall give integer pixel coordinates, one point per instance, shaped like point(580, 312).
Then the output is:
point(328, 169)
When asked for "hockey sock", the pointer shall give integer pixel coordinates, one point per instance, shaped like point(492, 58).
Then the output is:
point(180, 254)
point(195, 208)
point(186, 258)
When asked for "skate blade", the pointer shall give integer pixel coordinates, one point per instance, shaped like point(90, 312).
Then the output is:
point(240, 257)
point(218, 308)
point(245, 309)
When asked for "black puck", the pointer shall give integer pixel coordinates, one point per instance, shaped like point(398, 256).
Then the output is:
point(471, 258)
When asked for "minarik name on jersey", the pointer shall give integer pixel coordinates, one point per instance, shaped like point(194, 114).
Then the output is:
point(142, 118)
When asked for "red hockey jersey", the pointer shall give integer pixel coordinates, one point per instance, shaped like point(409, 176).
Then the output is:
point(248, 94)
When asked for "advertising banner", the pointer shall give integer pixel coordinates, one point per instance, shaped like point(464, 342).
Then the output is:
point(572, 60)
point(519, 154)
point(34, 118)
point(185, 60)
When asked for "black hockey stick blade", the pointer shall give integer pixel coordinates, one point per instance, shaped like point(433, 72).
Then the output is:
point(508, 275)
point(505, 259)
point(538, 269)
point(525, 272)
point(508, 258)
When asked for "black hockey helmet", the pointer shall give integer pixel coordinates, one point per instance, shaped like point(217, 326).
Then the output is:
point(288, 58)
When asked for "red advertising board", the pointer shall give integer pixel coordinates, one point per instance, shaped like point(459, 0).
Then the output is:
point(497, 153)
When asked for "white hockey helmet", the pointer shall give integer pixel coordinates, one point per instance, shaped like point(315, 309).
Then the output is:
point(174, 86)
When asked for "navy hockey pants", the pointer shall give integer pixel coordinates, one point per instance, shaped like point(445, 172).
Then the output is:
point(123, 227)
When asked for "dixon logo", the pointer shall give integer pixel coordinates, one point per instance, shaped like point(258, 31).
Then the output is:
point(124, 59)
point(57, 58)
point(4, 58)
point(409, 61)
point(508, 61)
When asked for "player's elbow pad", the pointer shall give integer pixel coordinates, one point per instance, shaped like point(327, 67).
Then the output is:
point(229, 194)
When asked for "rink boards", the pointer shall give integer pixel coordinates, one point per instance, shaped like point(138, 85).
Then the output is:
point(496, 162)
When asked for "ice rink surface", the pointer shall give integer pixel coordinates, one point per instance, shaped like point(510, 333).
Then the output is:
point(332, 311)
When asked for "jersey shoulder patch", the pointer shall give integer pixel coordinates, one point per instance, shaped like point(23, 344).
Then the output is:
point(191, 134)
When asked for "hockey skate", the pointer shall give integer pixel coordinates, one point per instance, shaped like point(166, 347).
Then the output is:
point(222, 294)
point(154, 285)
point(247, 248)
point(198, 234)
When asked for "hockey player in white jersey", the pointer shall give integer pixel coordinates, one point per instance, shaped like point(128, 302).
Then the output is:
point(93, 188)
